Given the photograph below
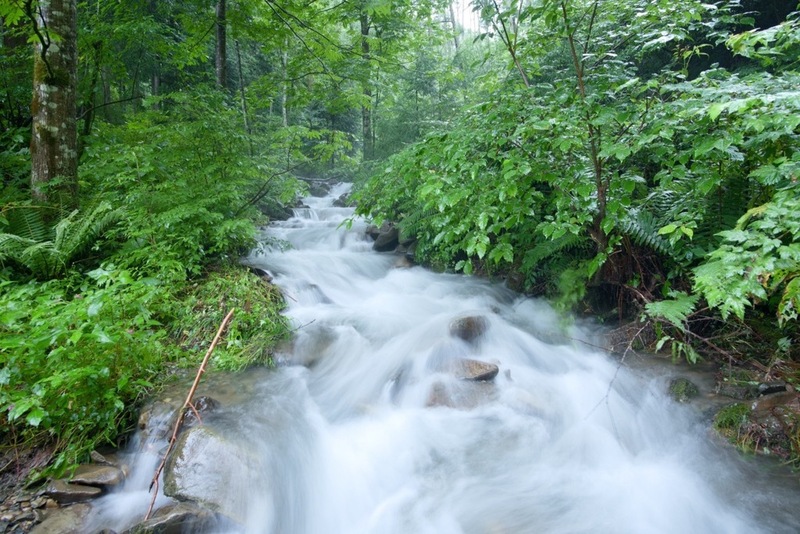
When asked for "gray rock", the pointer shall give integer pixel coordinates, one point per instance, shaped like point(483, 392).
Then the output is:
point(68, 520)
point(387, 239)
point(211, 470)
point(469, 328)
point(65, 493)
point(411, 251)
point(176, 519)
point(97, 475)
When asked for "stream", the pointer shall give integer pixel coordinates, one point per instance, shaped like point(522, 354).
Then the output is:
point(374, 423)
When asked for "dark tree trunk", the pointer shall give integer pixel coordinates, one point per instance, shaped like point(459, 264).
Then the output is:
point(54, 143)
point(222, 46)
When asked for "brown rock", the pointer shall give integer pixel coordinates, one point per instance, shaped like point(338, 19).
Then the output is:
point(65, 493)
point(469, 328)
point(467, 369)
point(69, 520)
point(97, 475)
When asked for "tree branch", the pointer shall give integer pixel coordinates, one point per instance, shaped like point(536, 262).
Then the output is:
point(187, 404)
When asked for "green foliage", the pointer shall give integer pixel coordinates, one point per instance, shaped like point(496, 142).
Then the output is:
point(756, 260)
point(255, 329)
point(185, 175)
point(730, 419)
point(675, 309)
point(47, 252)
point(76, 355)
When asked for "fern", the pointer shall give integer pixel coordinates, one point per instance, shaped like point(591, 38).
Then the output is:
point(75, 233)
point(642, 229)
point(675, 310)
point(414, 222)
point(27, 222)
point(546, 249)
point(46, 252)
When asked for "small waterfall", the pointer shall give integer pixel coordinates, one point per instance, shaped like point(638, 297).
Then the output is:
point(372, 425)
point(127, 505)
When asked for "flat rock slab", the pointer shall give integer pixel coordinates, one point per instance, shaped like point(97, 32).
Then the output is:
point(63, 492)
point(97, 475)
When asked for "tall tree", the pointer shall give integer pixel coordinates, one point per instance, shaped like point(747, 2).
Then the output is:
point(222, 45)
point(54, 143)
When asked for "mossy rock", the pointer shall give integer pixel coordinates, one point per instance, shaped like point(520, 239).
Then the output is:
point(682, 390)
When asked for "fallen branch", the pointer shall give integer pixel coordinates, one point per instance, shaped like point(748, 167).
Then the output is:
point(187, 404)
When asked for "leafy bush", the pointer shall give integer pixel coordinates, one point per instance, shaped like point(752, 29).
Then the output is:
point(76, 354)
point(185, 176)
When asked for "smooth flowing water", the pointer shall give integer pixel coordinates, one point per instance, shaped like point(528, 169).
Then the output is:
point(364, 427)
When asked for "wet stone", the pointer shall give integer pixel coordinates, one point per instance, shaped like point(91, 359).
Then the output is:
point(203, 406)
point(176, 519)
point(682, 390)
point(97, 475)
point(66, 493)
point(469, 328)
point(68, 520)
point(466, 369)
point(768, 388)
point(388, 238)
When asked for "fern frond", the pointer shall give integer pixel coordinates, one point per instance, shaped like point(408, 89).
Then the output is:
point(77, 232)
point(546, 249)
point(642, 229)
point(415, 221)
point(27, 222)
point(675, 310)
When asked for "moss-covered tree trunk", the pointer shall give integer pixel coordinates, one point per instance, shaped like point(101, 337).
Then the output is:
point(54, 143)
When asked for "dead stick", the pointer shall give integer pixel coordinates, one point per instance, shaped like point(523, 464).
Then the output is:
point(187, 403)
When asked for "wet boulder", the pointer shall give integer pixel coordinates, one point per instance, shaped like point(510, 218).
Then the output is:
point(212, 471)
point(343, 201)
point(318, 188)
point(469, 328)
point(203, 405)
point(387, 239)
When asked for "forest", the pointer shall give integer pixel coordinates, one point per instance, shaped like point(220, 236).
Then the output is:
point(634, 161)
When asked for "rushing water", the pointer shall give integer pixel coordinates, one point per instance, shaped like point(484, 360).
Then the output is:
point(361, 431)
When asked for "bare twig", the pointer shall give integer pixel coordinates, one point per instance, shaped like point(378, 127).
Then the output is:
point(187, 404)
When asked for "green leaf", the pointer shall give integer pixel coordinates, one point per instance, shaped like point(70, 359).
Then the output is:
point(667, 229)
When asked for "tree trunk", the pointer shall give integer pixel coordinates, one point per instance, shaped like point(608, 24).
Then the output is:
point(454, 26)
point(366, 112)
point(54, 140)
point(285, 82)
point(222, 46)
